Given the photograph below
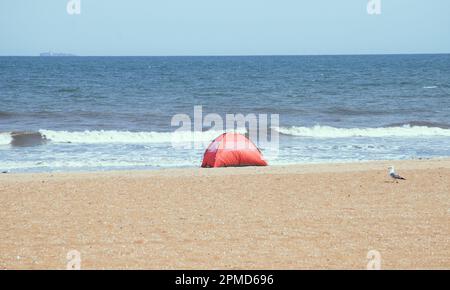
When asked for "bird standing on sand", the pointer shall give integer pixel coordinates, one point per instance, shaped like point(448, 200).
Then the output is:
point(394, 175)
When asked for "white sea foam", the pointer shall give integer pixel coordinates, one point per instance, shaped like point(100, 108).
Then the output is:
point(90, 164)
point(332, 132)
point(5, 138)
point(126, 137)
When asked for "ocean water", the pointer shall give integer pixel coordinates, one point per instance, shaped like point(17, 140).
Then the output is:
point(103, 113)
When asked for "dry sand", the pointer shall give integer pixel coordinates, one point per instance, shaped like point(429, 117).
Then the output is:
point(287, 217)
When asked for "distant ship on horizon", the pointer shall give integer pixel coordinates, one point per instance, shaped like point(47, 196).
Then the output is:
point(55, 54)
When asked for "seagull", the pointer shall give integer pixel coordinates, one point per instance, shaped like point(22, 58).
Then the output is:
point(394, 174)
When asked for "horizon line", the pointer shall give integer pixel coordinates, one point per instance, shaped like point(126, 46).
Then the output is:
point(231, 55)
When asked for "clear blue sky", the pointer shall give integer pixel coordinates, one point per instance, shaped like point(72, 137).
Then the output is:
point(223, 27)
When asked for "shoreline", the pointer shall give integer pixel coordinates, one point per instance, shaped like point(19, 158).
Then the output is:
point(311, 216)
point(314, 167)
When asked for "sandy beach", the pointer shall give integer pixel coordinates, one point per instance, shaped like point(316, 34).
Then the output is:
point(324, 216)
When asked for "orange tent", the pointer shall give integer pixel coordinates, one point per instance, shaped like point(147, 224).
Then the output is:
point(232, 150)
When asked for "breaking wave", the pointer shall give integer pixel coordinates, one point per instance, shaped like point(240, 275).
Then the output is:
point(22, 139)
point(332, 132)
point(27, 139)
point(421, 124)
point(99, 137)
point(5, 138)
point(126, 137)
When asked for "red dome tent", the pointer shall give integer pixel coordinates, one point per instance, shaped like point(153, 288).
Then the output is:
point(232, 150)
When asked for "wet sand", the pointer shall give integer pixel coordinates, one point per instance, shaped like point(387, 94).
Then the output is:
point(281, 217)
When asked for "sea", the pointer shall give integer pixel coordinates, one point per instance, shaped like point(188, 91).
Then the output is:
point(115, 113)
